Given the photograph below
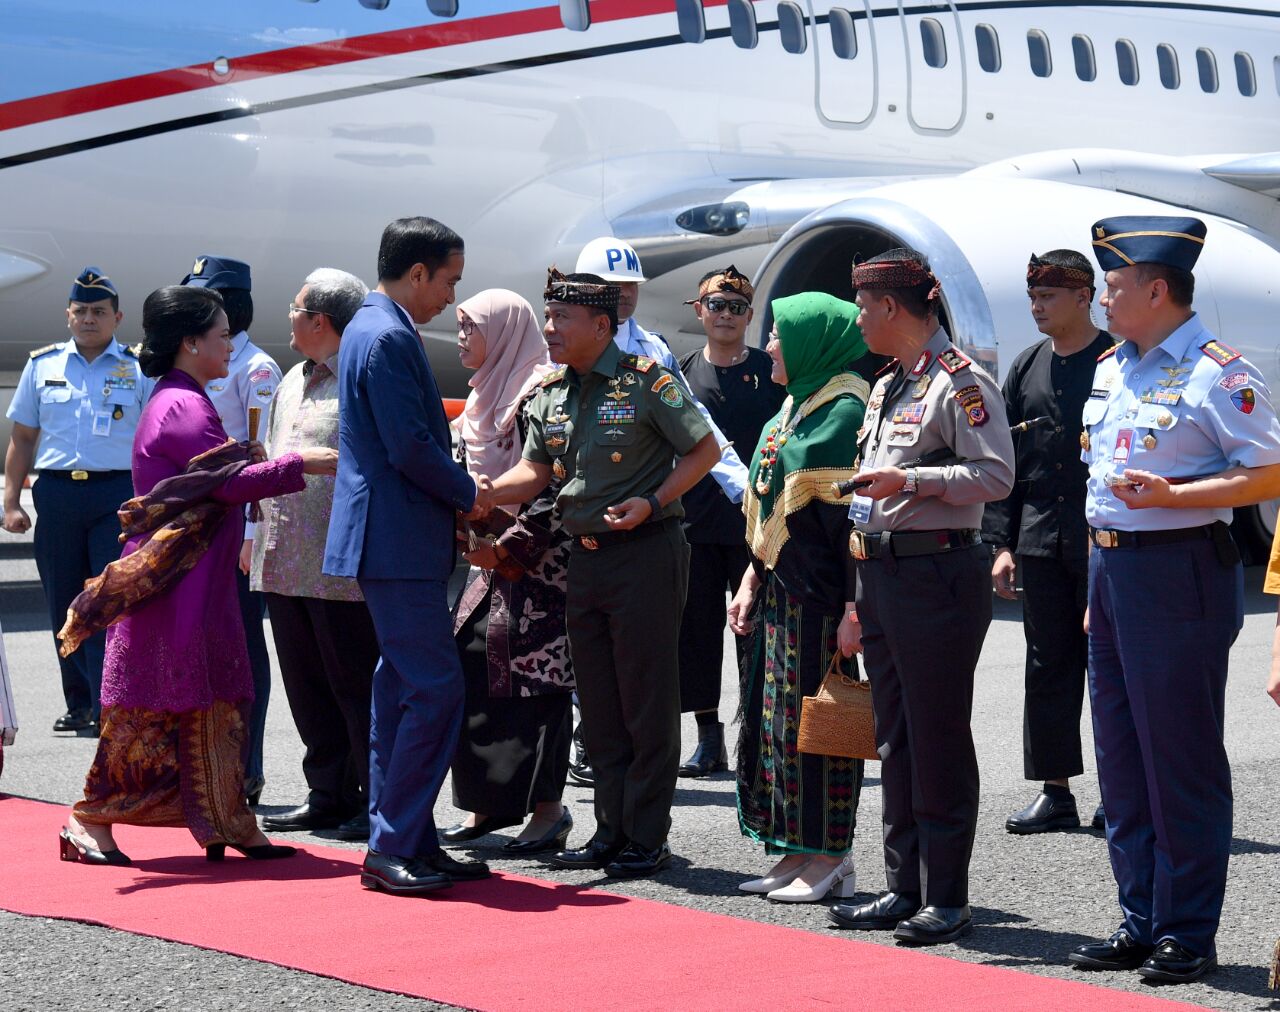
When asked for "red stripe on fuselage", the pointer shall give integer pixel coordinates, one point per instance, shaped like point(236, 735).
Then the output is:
point(95, 97)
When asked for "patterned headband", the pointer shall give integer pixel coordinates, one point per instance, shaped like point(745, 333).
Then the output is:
point(896, 274)
point(579, 293)
point(727, 280)
point(1043, 275)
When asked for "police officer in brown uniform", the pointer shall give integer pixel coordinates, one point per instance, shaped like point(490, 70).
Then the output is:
point(610, 426)
point(935, 447)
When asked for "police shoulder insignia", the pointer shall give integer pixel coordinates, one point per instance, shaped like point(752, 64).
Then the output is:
point(1108, 353)
point(953, 360)
point(44, 351)
point(554, 376)
point(1219, 352)
point(640, 363)
point(970, 398)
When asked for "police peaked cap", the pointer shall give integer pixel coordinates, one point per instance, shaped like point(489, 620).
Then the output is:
point(1147, 239)
point(91, 285)
point(218, 272)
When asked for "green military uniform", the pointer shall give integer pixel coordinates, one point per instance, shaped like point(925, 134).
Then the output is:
point(612, 434)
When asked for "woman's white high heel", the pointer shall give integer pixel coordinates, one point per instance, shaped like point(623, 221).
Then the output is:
point(840, 883)
point(771, 882)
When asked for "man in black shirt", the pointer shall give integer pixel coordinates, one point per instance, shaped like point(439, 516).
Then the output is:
point(732, 381)
point(1041, 526)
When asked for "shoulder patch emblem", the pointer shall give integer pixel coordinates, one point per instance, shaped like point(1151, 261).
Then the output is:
point(953, 360)
point(1109, 352)
point(1219, 352)
point(970, 398)
point(663, 381)
point(554, 376)
point(44, 351)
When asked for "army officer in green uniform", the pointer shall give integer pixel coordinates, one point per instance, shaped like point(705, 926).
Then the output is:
point(611, 426)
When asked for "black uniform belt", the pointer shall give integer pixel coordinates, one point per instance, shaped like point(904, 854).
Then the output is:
point(1144, 539)
point(80, 475)
point(904, 544)
point(607, 539)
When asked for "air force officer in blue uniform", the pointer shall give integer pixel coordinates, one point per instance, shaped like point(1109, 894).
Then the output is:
point(1178, 429)
point(392, 527)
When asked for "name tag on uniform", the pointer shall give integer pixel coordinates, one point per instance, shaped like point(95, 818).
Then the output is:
point(860, 509)
point(101, 423)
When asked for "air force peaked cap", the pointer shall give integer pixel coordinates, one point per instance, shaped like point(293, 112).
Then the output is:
point(1147, 239)
point(218, 272)
point(91, 285)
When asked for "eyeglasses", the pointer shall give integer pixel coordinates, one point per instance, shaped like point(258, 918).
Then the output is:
point(715, 304)
point(468, 327)
point(310, 312)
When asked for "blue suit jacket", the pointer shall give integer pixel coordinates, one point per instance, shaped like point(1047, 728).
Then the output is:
point(397, 486)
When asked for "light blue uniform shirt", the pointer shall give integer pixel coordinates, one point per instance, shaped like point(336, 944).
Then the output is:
point(251, 381)
point(729, 472)
point(1180, 412)
point(74, 403)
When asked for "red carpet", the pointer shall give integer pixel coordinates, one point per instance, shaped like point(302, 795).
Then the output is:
point(498, 944)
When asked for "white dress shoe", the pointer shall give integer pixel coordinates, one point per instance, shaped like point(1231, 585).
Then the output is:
point(771, 882)
point(840, 883)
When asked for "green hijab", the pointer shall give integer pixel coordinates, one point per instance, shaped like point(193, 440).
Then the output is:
point(819, 336)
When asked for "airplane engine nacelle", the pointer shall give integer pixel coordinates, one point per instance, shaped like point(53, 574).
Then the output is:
point(978, 234)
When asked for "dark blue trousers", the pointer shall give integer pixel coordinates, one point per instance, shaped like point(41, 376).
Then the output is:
point(1161, 623)
point(417, 712)
point(252, 609)
point(77, 534)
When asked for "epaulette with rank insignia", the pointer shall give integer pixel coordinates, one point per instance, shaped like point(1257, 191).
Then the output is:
point(554, 376)
point(44, 351)
point(640, 363)
point(133, 350)
point(1219, 352)
point(1109, 352)
point(953, 360)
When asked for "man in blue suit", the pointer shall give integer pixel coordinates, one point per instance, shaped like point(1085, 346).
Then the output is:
point(392, 527)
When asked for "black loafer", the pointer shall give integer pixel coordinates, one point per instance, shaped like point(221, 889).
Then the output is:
point(1171, 963)
point(636, 861)
point(302, 819)
point(459, 871)
point(594, 856)
point(553, 839)
point(355, 828)
point(935, 925)
point(884, 913)
point(461, 833)
point(400, 876)
point(1044, 815)
point(74, 720)
point(1119, 952)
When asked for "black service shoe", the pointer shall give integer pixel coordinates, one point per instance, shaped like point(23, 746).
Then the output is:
point(935, 925)
point(710, 756)
point(636, 861)
point(580, 771)
point(1045, 814)
point(74, 720)
point(553, 839)
point(1119, 952)
point(594, 856)
point(459, 871)
point(1171, 963)
point(355, 828)
point(1099, 819)
point(401, 876)
point(461, 833)
point(884, 913)
point(302, 819)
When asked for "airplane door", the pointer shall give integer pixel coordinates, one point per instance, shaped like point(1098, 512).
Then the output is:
point(935, 66)
point(848, 64)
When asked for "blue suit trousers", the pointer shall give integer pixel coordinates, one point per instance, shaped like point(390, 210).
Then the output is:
point(417, 712)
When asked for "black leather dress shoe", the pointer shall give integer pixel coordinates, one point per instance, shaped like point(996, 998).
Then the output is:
point(1099, 819)
point(74, 720)
point(710, 756)
point(1171, 963)
point(461, 833)
point(553, 839)
point(594, 856)
point(636, 861)
point(459, 871)
point(1044, 815)
point(355, 828)
point(582, 774)
point(935, 925)
point(884, 913)
point(1119, 952)
point(401, 876)
point(302, 819)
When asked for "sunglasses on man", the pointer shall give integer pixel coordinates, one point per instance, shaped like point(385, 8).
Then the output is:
point(716, 304)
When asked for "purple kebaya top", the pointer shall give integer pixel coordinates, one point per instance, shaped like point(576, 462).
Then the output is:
point(186, 648)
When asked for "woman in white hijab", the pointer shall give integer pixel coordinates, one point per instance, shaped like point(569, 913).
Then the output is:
point(513, 751)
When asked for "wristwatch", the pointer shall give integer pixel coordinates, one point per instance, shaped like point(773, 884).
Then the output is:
point(655, 507)
point(912, 485)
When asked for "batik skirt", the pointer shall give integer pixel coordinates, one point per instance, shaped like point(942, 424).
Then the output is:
point(792, 802)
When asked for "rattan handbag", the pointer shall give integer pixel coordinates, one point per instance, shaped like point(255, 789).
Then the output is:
point(837, 720)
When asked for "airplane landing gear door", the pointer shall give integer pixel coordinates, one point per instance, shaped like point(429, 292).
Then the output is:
point(935, 66)
point(848, 64)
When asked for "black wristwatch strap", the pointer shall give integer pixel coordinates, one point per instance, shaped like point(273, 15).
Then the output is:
point(655, 507)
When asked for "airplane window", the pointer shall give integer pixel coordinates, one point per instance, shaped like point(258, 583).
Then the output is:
point(792, 28)
point(1167, 58)
point(742, 24)
point(1127, 61)
point(988, 48)
point(1207, 66)
point(1275, 66)
point(844, 37)
point(693, 26)
point(1038, 49)
point(575, 15)
point(934, 42)
point(375, 5)
point(1086, 65)
point(1246, 80)
point(443, 8)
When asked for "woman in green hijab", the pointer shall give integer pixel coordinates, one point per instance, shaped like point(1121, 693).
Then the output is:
point(801, 807)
